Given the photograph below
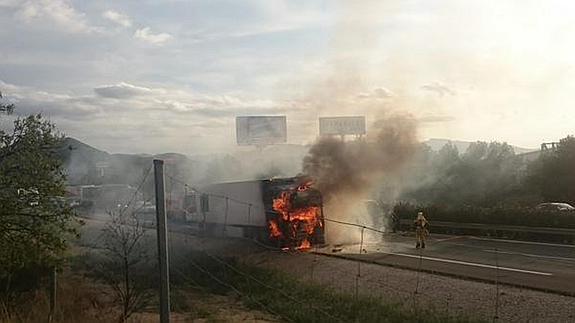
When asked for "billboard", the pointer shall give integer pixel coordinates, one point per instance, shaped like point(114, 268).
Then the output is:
point(342, 126)
point(261, 130)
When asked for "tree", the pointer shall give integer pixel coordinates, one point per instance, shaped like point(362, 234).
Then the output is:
point(485, 175)
point(127, 259)
point(552, 176)
point(35, 222)
point(7, 108)
point(447, 157)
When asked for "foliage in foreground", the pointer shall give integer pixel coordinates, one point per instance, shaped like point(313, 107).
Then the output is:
point(293, 300)
point(35, 222)
point(127, 256)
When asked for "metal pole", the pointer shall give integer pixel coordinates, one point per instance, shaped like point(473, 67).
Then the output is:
point(204, 200)
point(226, 217)
point(53, 288)
point(358, 276)
point(162, 231)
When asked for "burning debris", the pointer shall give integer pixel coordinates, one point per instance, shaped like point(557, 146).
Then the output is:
point(297, 218)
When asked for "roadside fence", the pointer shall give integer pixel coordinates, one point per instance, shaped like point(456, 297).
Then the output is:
point(377, 264)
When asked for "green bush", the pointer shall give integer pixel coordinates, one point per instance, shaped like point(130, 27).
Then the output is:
point(497, 215)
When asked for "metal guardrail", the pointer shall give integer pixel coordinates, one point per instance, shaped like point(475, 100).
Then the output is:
point(525, 233)
point(494, 227)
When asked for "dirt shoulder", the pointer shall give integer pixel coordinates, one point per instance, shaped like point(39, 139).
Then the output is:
point(407, 288)
point(416, 290)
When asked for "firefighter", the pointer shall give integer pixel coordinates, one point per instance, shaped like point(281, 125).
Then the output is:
point(421, 231)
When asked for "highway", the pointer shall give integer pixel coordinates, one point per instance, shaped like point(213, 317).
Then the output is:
point(540, 266)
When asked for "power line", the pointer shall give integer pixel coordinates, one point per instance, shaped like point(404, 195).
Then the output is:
point(207, 193)
point(138, 189)
point(230, 286)
point(264, 284)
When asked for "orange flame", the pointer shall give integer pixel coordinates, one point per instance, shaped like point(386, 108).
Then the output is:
point(274, 229)
point(302, 220)
point(305, 244)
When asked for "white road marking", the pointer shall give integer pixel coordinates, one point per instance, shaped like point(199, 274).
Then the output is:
point(526, 242)
point(447, 239)
point(473, 264)
point(530, 255)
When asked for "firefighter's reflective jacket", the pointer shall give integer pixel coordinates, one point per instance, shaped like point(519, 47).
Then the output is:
point(421, 228)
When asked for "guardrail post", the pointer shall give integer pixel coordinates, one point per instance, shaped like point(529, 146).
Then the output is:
point(496, 316)
point(358, 277)
point(226, 217)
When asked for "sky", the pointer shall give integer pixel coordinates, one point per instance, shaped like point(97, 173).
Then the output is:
point(151, 76)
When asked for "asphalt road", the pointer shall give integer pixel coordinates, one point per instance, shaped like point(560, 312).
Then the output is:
point(541, 266)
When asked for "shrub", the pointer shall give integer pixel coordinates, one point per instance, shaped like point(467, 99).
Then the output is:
point(516, 216)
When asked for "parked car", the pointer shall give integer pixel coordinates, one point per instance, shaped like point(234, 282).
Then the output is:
point(555, 206)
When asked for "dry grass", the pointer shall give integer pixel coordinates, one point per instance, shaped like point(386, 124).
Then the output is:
point(78, 300)
point(81, 299)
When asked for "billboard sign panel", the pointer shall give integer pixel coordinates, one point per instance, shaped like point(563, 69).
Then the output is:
point(342, 126)
point(261, 130)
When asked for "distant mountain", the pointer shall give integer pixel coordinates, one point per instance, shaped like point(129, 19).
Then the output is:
point(74, 147)
point(436, 144)
point(86, 165)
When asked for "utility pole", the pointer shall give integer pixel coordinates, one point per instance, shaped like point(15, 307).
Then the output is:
point(162, 230)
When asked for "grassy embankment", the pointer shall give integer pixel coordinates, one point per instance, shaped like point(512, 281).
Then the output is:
point(293, 300)
point(216, 290)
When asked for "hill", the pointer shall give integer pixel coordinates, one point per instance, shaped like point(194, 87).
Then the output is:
point(86, 165)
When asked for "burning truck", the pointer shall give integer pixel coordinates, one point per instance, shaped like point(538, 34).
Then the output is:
point(286, 213)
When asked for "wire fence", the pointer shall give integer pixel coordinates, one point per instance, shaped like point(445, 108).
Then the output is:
point(385, 268)
point(424, 290)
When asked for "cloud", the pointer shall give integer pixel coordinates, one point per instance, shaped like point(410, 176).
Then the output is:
point(377, 93)
point(60, 13)
point(9, 3)
point(145, 34)
point(121, 91)
point(218, 106)
point(118, 18)
point(133, 101)
point(435, 118)
point(125, 110)
point(30, 101)
point(439, 88)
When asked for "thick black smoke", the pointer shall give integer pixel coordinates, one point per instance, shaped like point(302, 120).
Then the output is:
point(354, 167)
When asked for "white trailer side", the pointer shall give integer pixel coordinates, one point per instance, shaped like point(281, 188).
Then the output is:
point(236, 207)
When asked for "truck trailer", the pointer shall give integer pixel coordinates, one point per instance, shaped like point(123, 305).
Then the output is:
point(286, 212)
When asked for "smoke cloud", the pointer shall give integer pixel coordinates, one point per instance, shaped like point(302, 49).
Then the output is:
point(338, 167)
point(347, 172)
